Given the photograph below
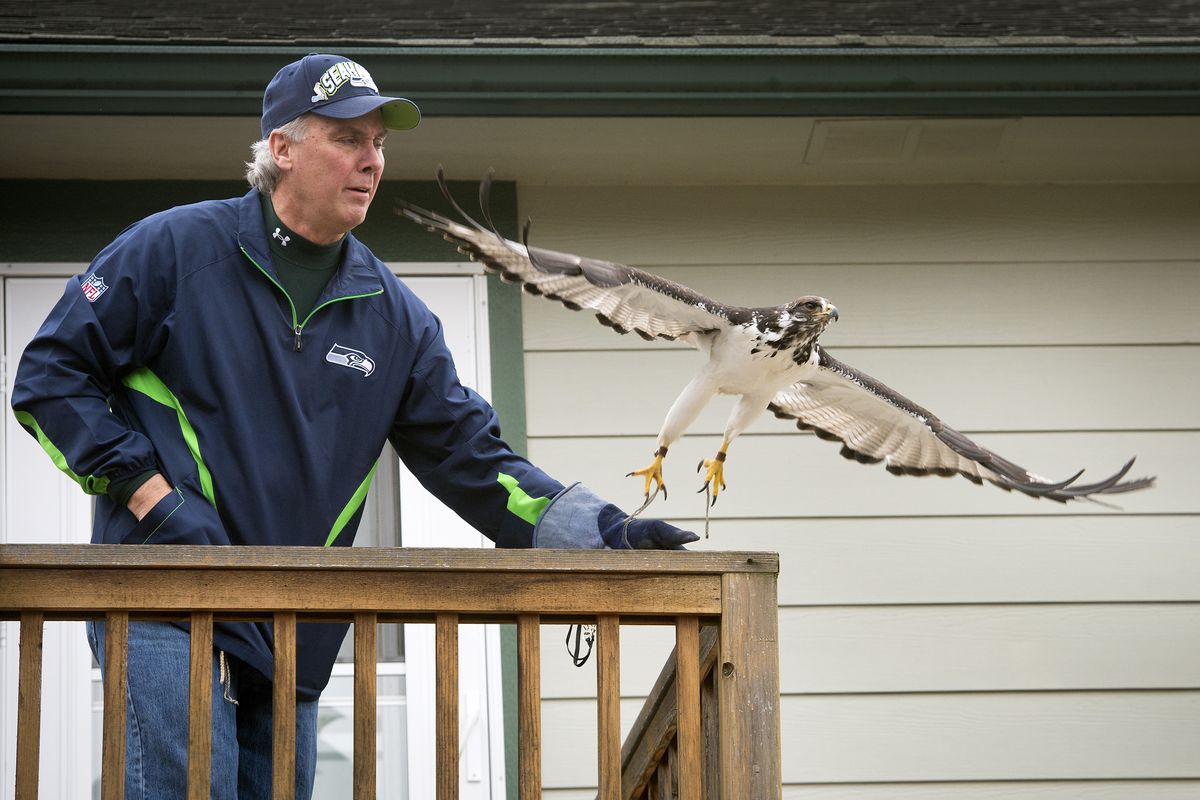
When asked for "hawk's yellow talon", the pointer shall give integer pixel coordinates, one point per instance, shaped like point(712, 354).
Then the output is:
point(714, 475)
point(653, 473)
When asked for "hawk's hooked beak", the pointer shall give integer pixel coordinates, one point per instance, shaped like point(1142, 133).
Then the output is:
point(831, 311)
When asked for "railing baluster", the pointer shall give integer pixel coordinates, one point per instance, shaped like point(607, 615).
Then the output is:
point(529, 706)
point(283, 708)
point(29, 705)
point(687, 688)
point(711, 740)
point(673, 769)
point(116, 678)
point(364, 706)
point(200, 690)
point(447, 706)
point(608, 692)
point(664, 775)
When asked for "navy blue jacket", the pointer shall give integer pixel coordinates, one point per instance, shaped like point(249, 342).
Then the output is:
point(178, 350)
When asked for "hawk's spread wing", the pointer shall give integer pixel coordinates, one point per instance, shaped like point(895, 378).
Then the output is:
point(624, 298)
point(874, 423)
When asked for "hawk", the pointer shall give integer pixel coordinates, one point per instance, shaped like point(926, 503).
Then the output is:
point(771, 358)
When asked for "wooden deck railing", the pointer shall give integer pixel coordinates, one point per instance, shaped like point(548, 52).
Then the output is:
point(710, 728)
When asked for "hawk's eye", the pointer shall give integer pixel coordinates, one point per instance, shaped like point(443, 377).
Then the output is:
point(812, 306)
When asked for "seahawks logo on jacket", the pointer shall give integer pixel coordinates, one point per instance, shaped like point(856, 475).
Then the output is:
point(349, 357)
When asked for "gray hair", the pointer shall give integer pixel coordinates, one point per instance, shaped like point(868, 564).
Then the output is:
point(262, 172)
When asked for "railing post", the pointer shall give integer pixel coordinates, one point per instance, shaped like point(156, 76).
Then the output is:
point(29, 705)
point(748, 688)
point(283, 708)
point(365, 699)
point(200, 690)
point(116, 679)
point(529, 707)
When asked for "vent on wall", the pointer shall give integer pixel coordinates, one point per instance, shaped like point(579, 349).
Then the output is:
point(898, 141)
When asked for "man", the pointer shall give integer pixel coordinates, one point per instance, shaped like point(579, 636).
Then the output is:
point(228, 372)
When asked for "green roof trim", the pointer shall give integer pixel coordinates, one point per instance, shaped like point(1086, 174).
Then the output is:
point(633, 81)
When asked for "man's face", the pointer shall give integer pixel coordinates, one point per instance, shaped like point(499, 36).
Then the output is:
point(330, 177)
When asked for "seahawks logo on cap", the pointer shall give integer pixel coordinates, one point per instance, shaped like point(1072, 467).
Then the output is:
point(348, 357)
point(339, 75)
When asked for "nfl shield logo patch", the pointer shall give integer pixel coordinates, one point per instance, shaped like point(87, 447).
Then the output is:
point(93, 287)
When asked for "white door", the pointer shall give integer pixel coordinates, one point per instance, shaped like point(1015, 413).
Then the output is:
point(40, 504)
point(428, 523)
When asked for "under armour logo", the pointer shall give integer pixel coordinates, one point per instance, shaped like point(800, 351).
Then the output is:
point(281, 237)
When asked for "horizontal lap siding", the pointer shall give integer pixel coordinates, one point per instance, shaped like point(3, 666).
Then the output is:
point(865, 225)
point(1015, 559)
point(968, 388)
point(975, 790)
point(1040, 736)
point(961, 303)
point(774, 476)
point(937, 648)
point(940, 736)
point(983, 790)
point(938, 640)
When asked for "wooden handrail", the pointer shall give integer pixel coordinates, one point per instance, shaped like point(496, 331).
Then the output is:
point(383, 559)
point(716, 703)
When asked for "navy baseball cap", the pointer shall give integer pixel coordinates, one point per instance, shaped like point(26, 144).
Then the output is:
point(332, 86)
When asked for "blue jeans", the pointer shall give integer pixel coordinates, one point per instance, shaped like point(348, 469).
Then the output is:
point(157, 713)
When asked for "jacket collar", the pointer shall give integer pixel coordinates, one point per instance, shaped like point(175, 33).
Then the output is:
point(357, 274)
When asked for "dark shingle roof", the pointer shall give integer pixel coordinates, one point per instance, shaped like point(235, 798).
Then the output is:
point(713, 23)
point(616, 57)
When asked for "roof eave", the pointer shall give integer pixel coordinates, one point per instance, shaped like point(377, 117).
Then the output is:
point(548, 81)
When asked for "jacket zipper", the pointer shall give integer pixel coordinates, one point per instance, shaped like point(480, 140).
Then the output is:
point(298, 327)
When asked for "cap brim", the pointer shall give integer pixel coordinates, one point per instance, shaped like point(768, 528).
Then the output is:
point(399, 114)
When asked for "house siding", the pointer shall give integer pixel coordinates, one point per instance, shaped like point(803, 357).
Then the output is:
point(937, 639)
